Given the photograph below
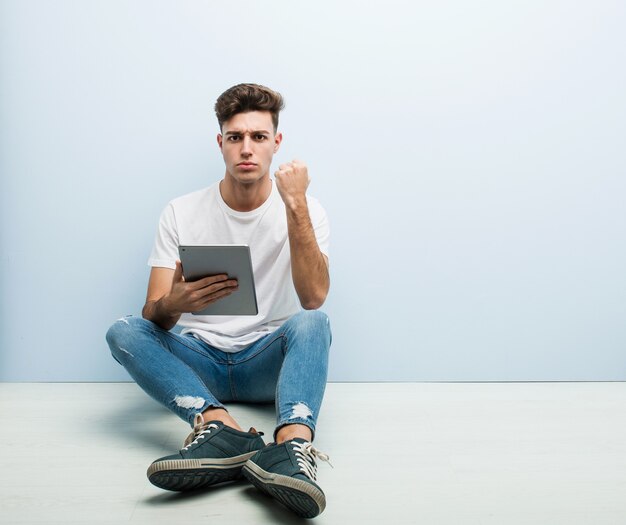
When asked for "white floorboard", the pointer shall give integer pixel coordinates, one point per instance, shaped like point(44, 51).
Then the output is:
point(403, 453)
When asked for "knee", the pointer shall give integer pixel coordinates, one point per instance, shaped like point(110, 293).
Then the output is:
point(313, 324)
point(121, 334)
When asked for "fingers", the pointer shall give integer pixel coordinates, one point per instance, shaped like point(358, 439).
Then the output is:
point(207, 281)
point(292, 181)
point(294, 164)
point(211, 279)
point(212, 298)
point(200, 299)
point(193, 296)
point(227, 284)
point(209, 285)
point(294, 169)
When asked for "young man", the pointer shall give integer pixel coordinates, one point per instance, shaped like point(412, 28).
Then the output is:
point(280, 354)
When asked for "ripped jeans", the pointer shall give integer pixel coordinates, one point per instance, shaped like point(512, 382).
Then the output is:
point(288, 366)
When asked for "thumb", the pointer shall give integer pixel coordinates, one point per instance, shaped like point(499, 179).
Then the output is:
point(178, 273)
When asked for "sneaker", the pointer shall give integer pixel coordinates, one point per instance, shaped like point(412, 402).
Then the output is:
point(288, 473)
point(213, 453)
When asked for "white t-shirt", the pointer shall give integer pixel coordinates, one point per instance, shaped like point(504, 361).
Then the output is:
point(202, 217)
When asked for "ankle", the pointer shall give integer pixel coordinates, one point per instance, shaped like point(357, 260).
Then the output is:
point(220, 414)
point(294, 430)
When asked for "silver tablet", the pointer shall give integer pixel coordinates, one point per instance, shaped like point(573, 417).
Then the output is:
point(231, 259)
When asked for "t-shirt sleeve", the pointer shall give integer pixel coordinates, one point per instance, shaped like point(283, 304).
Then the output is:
point(165, 249)
point(319, 220)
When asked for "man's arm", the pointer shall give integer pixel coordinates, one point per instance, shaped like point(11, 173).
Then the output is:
point(309, 266)
point(169, 296)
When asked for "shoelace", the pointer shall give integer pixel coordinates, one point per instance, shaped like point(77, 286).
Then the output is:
point(200, 429)
point(305, 456)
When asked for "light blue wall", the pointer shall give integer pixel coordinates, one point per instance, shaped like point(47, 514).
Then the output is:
point(470, 156)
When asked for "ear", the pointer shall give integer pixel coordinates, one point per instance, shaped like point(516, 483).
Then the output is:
point(219, 140)
point(277, 140)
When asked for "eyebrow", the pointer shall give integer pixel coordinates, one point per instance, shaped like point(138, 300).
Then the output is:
point(253, 132)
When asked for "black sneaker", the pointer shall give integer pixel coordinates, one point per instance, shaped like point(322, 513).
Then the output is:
point(213, 453)
point(287, 472)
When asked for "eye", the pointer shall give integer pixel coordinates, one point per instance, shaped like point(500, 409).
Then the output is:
point(260, 137)
point(233, 138)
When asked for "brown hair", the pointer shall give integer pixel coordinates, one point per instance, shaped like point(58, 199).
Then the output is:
point(248, 97)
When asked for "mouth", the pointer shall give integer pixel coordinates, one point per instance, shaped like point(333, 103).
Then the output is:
point(246, 164)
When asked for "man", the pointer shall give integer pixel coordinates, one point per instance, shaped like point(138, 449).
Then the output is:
point(280, 354)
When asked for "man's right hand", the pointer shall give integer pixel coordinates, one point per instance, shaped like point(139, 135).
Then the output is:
point(169, 295)
point(189, 297)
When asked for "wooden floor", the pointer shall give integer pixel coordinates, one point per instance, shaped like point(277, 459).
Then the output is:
point(414, 453)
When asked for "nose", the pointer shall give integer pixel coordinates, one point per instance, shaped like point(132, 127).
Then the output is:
point(246, 146)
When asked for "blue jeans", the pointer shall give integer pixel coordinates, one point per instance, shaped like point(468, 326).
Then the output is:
point(288, 366)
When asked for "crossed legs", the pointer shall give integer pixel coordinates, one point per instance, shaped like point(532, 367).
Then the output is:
point(189, 376)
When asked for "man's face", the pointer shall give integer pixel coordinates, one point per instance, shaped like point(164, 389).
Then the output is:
point(248, 143)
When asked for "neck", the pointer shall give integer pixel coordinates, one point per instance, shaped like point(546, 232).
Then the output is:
point(245, 197)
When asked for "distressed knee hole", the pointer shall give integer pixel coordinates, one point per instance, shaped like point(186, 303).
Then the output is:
point(300, 411)
point(125, 351)
point(123, 320)
point(189, 402)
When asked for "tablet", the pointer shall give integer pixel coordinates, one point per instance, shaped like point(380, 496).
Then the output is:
point(231, 259)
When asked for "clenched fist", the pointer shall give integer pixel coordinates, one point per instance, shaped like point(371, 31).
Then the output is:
point(292, 181)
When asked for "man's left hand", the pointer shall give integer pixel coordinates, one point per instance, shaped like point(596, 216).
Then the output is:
point(292, 181)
